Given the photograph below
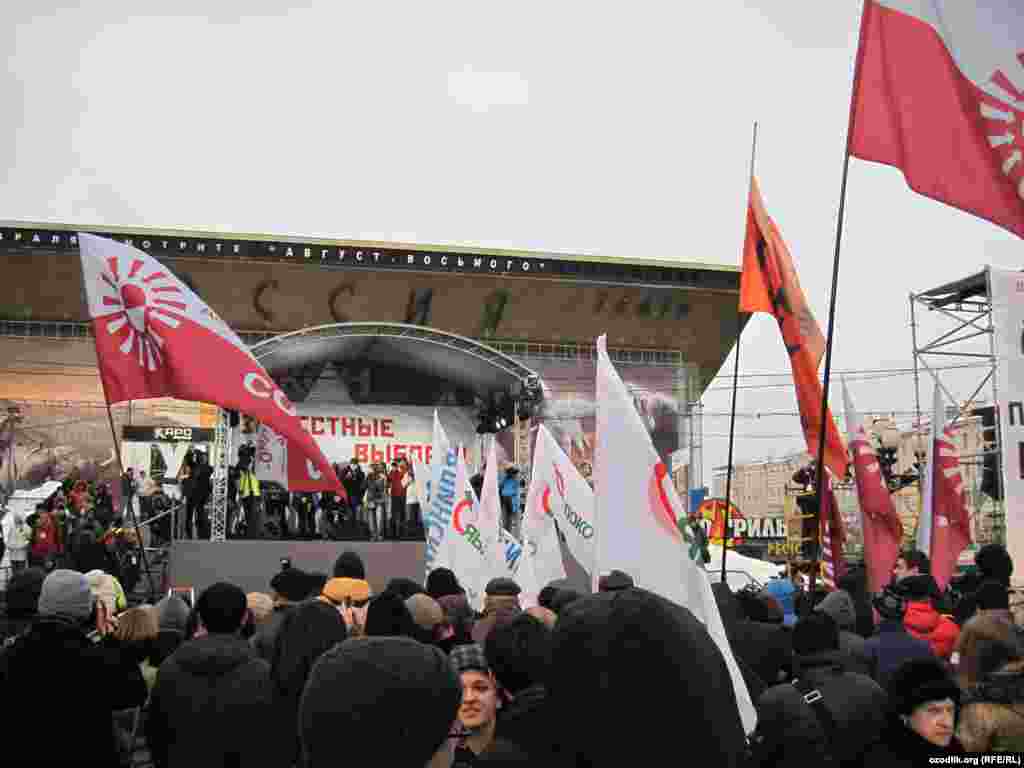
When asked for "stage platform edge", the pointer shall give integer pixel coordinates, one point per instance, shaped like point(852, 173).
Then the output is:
point(251, 564)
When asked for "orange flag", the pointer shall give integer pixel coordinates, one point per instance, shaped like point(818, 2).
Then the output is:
point(769, 284)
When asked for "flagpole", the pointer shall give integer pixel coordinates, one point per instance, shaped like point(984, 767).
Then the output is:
point(735, 383)
point(131, 511)
point(819, 476)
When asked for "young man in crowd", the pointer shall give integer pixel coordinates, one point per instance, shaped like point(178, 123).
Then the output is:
point(360, 688)
point(212, 704)
point(478, 713)
point(910, 563)
point(289, 587)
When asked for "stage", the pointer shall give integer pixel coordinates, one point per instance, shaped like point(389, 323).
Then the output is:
point(251, 564)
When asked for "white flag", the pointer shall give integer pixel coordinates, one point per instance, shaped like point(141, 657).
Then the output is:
point(490, 516)
point(440, 498)
point(526, 578)
point(638, 508)
point(467, 552)
point(558, 493)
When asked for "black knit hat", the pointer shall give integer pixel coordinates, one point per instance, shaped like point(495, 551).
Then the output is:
point(23, 593)
point(815, 633)
point(992, 595)
point(399, 695)
point(349, 565)
point(291, 584)
point(441, 582)
point(994, 563)
point(919, 681)
point(388, 616)
point(502, 586)
point(404, 587)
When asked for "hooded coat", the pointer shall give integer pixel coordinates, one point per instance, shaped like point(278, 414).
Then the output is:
point(629, 670)
point(212, 705)
point(763, 649)
point(790, 731)
point(992, 714)
point(839, 605)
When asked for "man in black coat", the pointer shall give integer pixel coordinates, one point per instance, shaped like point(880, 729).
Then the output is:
point(290, 586)
point(212, 704)
point(792, 731)
point(518, 654)
point(55, 669)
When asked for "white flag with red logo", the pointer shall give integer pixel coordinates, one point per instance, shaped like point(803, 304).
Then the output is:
point(156, 338)
point(939, 94)
point(490, 516)
point(466, 550)
point(637, 508)
point(559, 499)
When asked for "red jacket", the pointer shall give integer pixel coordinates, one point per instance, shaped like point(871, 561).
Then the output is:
point(925, 623)
point(395, 481)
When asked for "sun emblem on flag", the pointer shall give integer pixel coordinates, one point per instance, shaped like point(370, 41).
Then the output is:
point(143, 299)
point(1002, 109)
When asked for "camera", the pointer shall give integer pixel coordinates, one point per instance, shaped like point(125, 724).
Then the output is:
point(286, 563)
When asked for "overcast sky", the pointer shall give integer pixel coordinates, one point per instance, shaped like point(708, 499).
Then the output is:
point(611, 129)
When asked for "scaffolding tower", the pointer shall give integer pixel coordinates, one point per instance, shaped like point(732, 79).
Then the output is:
point(964, 308)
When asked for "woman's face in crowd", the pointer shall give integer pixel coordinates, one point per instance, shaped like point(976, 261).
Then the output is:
point(934, 721)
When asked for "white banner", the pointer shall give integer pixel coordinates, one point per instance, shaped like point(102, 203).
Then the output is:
point(1007, 295)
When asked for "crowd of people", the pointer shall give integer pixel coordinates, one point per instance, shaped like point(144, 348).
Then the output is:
point(320, 669)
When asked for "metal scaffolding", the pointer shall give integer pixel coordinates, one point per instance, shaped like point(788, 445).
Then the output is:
point(965, 306)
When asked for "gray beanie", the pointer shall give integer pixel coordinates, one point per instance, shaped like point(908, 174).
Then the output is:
point(839, 605)
point(66, 593)
point(172, 613)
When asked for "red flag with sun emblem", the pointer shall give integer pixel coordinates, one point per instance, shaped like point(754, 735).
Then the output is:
point(637, 513)
point(939, 94)
point(156, 338)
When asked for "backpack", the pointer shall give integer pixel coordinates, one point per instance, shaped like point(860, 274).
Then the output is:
point(763, 751)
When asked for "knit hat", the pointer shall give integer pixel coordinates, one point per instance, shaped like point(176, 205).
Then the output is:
point(367, 686)
point(783, 591)
point(890, 605)
point(917, 588)
point(338, 590)
point(614, 581)
point(919, 681)
point(172, 613)
point(261, 605)
point(994, 563)
point(222, 608)
point(349, 565)
point(992, 595)
point(23, 593)
point(441, 582)
point(468, 658)
point(502, 587)
point(291, 584)
point(839, 605)
point(814, 634)
point(317, 581)
point(404, 587)
point(66, 593)
point(387, 616)
point(425, 611)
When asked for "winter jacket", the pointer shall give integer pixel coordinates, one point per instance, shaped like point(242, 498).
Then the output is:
point(900, 747)
point(789, 731)
point(892, 646)
point(992, 713)
point(54, 664)
point(354, 481)
point(510, 490)
point(376, 489)
point(526, 722)
point(839, 605)
point(766, 649)
point(265, 640)
point(212, 706)
point(926, 623)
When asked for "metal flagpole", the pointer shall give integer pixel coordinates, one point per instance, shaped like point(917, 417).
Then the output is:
point(735, 382)
point(131, 511)
point(819, 476)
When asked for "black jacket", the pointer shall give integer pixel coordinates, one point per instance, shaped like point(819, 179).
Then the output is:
point(212, 706)
point(762, 648)
point(526, 723)
point(265, 640)
point(54, 668)
point(789, 731)
point(900, 747)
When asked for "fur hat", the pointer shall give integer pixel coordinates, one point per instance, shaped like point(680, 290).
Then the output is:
point(338, 590)
point(994, 563)
point(502, 587)
point(919, 681)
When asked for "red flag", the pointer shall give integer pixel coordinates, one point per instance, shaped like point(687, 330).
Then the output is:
point(880, 523)
point(833, 537)
point(939, 94)
point(769, 284)
point(951, 527)
point(156, 338)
